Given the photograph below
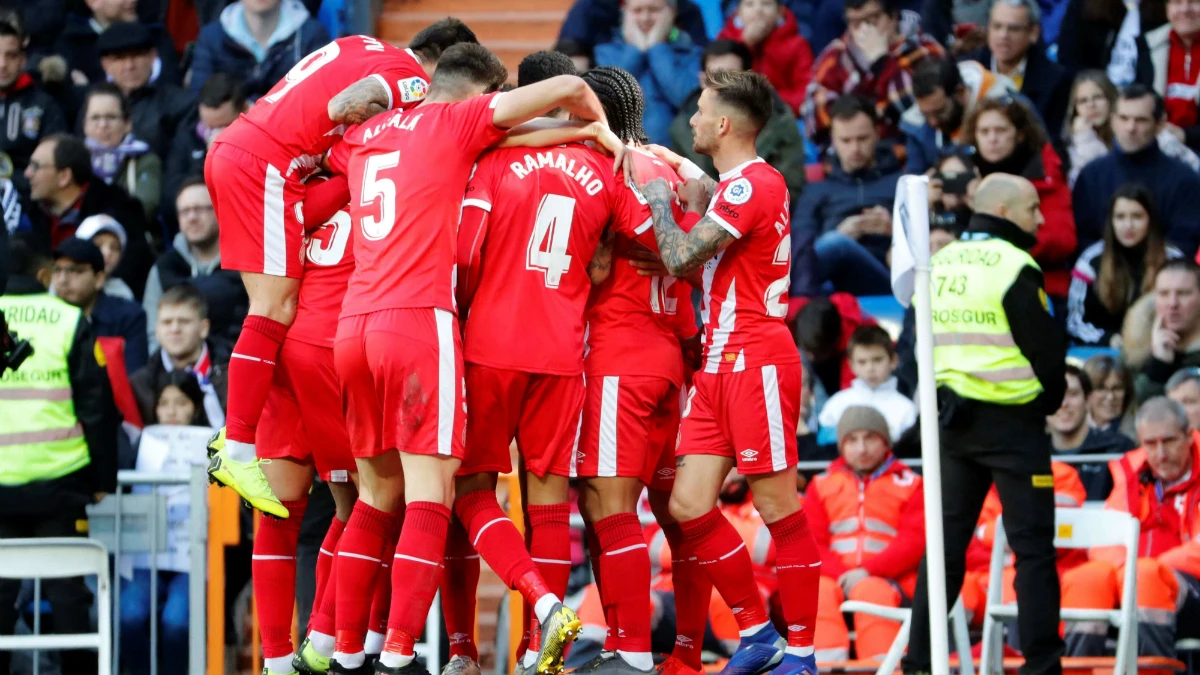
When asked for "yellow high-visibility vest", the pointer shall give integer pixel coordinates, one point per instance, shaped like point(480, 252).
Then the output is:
point(40, 436)
point(973, 349)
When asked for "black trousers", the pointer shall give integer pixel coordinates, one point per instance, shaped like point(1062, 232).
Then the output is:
point(70, 599)
point(1008, 446)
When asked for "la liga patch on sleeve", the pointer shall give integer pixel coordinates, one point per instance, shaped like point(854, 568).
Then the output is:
point(412, 89)
point(739, 191)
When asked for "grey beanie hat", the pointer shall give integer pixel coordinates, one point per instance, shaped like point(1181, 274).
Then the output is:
point(863, 417)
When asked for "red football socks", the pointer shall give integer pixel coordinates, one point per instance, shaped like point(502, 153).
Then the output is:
point(417, 568)
point(495, 537)
point(550, 544)
point(381, 603)
point(325, 560)
point(626, 567)
point(361, 549)
point(798, 566)
point(693, 591)
point(723, 556)
point(610, 618)
point(251, 371)
point(460, 582)
point(274, 568)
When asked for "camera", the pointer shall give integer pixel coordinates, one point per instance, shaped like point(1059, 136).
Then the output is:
point(13, 350)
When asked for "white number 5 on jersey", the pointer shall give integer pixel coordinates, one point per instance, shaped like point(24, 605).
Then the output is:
point(329, 250)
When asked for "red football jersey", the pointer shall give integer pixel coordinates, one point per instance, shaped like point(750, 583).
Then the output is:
point(407, 174)
point(290, 125)
point(633, 321)
point(746, 285)
point(546, 209)
point(328, 264)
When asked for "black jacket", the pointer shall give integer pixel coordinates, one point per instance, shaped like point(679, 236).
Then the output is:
point(184, 160)
point(97, 414)
point(27, 115)
point(147, 380)
point(223, 290)
point(99, 197)
point(158, 110)
point(1038, 335)
point(1086, 43)
point(1095, 476)
point(1047, 85)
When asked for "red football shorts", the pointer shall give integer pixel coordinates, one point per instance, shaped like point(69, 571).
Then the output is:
point(629, 426)
point(302, 419)
point(750, 416)
point(402, 382)
point(540, 411)
point(256, 206)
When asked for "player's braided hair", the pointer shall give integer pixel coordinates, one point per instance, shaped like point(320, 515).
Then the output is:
point(621, 96)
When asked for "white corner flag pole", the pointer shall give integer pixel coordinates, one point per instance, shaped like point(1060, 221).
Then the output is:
point(910, 282)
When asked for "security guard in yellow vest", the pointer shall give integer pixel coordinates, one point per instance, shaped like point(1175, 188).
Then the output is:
point(999, 357)
point(58, 442)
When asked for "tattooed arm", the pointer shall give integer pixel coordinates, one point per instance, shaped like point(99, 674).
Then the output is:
point(359, 102)
point(682, 252)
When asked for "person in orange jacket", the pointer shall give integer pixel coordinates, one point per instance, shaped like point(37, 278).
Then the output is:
point(1159, 483)
point(867, 515)
point(1068, 492)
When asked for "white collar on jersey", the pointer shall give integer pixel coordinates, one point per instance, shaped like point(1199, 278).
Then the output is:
point(737, 170)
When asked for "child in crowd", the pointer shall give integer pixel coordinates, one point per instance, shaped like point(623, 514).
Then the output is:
point(873, 360)
point(180, 400)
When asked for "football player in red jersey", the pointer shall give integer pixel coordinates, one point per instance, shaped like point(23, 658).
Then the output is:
point(398, 350)
point(302, 425)
point(255, 172)
point(634, 370)
point(743, 406)
point(531, 222)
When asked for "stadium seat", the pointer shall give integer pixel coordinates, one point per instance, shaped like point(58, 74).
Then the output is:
point(1074, 528)
point(958, 618)
point(59, 558)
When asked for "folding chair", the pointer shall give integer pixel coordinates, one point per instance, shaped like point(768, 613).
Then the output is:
point(958, 619)
point(57, 558)
point(1074, 528)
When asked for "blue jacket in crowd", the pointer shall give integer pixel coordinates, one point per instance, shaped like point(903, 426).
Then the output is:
point(825, 204)
point(666, 72)
point(225, 46)
point(1176, 190)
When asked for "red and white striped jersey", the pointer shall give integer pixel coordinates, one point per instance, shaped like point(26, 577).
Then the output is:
point(746, 285)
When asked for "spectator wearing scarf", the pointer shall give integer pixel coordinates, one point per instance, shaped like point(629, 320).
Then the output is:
point(118, 157)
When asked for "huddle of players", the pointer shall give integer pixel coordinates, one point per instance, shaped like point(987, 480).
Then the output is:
point(460, 204)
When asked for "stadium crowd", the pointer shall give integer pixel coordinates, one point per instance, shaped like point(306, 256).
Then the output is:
point(109, 108)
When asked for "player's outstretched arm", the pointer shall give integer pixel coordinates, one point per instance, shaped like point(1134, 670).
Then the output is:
point(544, 132)
point(568, 92)
point(682, 252)
point(360, 101)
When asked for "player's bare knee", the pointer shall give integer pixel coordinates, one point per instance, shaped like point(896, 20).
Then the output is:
point(684, 507)
point(660, 506)
point(548, 489)
point(344, 496)
point(288, 479)
point(775, 496)
point(610, 496)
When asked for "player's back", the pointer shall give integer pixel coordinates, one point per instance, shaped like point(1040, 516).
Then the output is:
point(547, 210)
point(746, 285)
point(407, 172)
point(328, 264)
point(290, 124)
point(634, 320)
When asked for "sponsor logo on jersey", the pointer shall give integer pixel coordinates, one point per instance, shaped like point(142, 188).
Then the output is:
point(749, 455)
point(739, 191)
point(727, 210)
point(412, 89)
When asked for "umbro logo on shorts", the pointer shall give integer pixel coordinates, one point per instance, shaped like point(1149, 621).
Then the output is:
point(795, 628)
point(666, 473)
point(749, 455)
